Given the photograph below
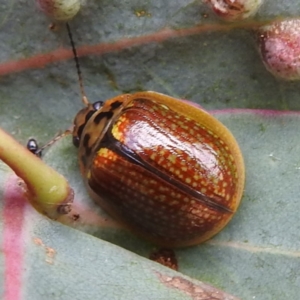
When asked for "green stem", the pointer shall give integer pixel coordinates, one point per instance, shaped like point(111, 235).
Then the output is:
point(47, 191)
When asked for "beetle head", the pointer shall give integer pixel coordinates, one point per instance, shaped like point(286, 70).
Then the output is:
point(81, 120)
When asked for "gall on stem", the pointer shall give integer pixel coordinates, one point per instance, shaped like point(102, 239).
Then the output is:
point(234, 10)
point(279, 47)
point(60, 10)
point(46, 190)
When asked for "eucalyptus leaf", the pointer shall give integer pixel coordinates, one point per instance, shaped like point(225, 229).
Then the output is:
point(256, 256)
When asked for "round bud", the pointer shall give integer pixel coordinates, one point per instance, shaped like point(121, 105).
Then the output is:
point(234, 10)
point(60, 10)
point(279, 46)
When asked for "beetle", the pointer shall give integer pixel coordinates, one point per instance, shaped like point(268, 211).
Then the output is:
point(167, 170)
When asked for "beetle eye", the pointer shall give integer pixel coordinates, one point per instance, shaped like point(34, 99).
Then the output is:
point(33, 147)
point(76, 141)
point(97, 105)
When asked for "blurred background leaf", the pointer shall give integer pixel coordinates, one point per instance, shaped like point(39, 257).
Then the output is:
point(257, 255)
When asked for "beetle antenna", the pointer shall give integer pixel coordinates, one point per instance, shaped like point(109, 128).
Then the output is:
point(52, 141)
point(83, 96)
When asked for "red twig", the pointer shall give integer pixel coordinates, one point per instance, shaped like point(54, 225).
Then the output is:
point(41, 60)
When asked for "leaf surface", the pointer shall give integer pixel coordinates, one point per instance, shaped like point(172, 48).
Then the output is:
point(129, 46)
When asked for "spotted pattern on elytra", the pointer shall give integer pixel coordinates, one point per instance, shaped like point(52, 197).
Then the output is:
point(168, 171)
point(149, 202)
point(178, 146)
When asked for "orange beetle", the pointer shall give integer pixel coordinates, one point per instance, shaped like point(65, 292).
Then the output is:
point(167, 170)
